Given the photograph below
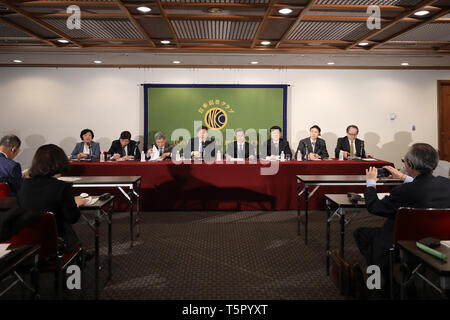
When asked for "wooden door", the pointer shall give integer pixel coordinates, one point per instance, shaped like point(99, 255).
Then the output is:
point(444, 119)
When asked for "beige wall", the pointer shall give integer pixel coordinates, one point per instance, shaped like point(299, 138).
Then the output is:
point(48, 105)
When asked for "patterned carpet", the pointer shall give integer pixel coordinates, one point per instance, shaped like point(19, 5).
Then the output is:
point(214, 255)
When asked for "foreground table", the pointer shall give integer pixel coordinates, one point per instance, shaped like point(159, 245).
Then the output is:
point(330, 180)
point(166, 186)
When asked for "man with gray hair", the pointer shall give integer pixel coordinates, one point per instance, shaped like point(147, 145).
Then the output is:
point(163, 148)
point(10, 170)
point(420, 190)
point(240, 149)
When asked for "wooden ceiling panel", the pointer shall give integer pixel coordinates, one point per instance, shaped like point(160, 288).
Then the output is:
point(215, 29)
point(428, 32)
point(156, 27)
point(274, 29)
point(317, 30)
point(370, 2)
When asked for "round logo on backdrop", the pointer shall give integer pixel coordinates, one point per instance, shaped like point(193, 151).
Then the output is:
point(216, 118)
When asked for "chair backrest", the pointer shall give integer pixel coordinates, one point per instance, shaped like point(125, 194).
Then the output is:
point(415, 224)
point(4, 190)
point(42, 233)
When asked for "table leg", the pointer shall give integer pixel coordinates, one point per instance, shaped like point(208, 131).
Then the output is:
point(298, 206)
point(342, 233)
point(306, 214)
point(328, 236)
point(110, 240)
point(97, 254)
point(138, 209)
point(131, 219)
point(35, 276)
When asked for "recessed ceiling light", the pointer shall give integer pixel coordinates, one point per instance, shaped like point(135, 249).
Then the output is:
point(363, 44)
point(98, 61)
point(17, 61)
point(421, 13)
point(265, 43)
point(214, 10)
point(63, 41)
point(176, 62)
point(405, 64)
point(330, 63)
point(254, 62)
point(165, 41)
point(285, 11)
point(144, 9)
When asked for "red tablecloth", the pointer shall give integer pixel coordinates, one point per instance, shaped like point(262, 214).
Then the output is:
point(167, 186)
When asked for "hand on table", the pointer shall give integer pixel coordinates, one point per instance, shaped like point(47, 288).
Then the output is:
point(80, 201)
point(81, 155)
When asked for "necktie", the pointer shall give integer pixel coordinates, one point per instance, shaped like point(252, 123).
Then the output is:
point(200, 146)
point(277, 151)
point(313, 144)
point(352, 149)
point(124, 152)
point(240, 153)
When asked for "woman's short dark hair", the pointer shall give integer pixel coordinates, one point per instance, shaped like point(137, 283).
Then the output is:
point(315, 127)
point(125, 135)
point(84, 131)
point(275, 128)
point(49, 160)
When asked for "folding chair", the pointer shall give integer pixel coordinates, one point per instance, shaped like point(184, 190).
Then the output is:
point(44, 234)
point(417, 223)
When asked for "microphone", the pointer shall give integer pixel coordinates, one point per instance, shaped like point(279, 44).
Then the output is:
point(90, 148)
point(135, 147)
point(362, 148)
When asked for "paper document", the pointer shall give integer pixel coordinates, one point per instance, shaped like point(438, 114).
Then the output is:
point(380, 195)
point(69, 179)
point(368, 159)
point(446, 243)
point(4, 249)
point(155, 154)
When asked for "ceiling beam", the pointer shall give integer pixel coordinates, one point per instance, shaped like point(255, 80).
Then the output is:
point(169, 23)
point(68, 3)
point(425, 21)
point(299, 18)
point(399, 18)
point(31, 33)
point(44, 24)
point(136, 23)
point(170, 5)
point(262, 23)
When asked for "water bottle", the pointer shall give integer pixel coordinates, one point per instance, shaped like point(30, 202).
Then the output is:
point(102, 157)
point(306, 153)
point(142, 156)
point(219, 155)
point(299, 156)
point(341, 155)
point(177, 156)
point(282, 156)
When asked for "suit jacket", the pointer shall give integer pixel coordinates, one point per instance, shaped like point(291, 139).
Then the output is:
point(167, 148)
point(11, 173)
point(320, 147)
point(426, 191)
point(209, 150)
point(132, 149)
point(232, 149)
point(56, 196)
point(343, 144)
point(94, 150)
point(268, 146)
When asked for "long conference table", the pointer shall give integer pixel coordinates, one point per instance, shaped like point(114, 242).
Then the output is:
point(166, 186)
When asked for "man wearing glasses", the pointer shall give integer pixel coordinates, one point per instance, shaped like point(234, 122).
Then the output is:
point(351, 145)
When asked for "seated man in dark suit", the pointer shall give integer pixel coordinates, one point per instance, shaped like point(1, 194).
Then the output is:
point(420, 190)
point(313, 147)
point(275, 145)
point(351, 145)
point(124, 148)
point(164, 149)
point(10, 171)
point(201, 147)
point(240, 149)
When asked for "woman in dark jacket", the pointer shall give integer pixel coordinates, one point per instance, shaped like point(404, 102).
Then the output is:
point(44, 192)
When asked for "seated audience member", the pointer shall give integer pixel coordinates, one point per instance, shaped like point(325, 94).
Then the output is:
point(164, 148)
point(87, 148)
point(275, 145)
point(10, 170)
point(240, 149)
point(201, 147)
point(351, 145)
point(124, 148)
point(44, 192)
point(317, 148)
point(420, 190)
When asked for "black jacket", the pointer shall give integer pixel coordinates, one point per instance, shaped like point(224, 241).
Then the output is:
point(320, 147)
point(132, 149)
point(232, 149)
point(53, 195)
point(343, 144)
point(426, 191)
point(268, 146)
point(209, 148)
